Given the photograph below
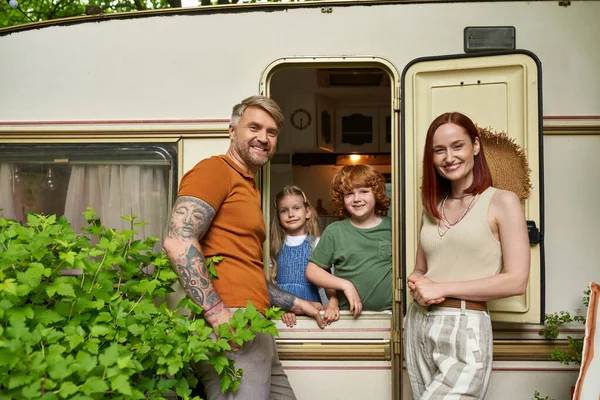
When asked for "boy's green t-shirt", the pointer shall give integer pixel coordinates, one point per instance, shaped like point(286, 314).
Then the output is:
point(362, 256)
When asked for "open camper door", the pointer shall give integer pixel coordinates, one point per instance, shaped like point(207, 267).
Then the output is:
point(498, 91)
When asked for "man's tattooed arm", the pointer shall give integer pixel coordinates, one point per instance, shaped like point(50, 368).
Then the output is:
point(288, 302)
point(189, 222)
point(280, 298)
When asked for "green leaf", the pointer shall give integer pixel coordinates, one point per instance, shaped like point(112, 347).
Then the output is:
point(183, 388)
point(17, 329)
point(33, 221)
point(67, 389)
point(92, 346)
point(238, 319)
point(175, 365)
point(9, 286)
point(100, 330)
point(85, 362)
point(274, 313)
point(60, 370)
point(103, 317)
point(235, 385)
point(124, 362)
point(243, 335)
point(165, 384)
point(62, 288)
point(69, 256)
point(26, 312)
point(120, 383)
point(225, 381)
point(32, 275)
point(109, 356)
point(261, 324)
point(220, 362)
point(47, 317)
point(250, 311)
point(18, 379)
point(94, 384)
point(32, 391)
point(136, 329)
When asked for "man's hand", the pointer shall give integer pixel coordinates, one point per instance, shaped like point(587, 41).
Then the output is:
point(288, 302)
point(218, 316)
point(310, 308)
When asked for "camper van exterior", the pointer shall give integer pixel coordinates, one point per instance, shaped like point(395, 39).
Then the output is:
point(127, 103)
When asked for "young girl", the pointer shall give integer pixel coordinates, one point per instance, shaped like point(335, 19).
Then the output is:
point(359, 247)
point(294, 232)
point(473, 247)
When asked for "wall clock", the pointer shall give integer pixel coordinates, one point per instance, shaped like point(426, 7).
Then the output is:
point(301, 119)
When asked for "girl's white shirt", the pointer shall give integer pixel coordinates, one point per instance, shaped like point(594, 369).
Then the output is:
point(294, 241)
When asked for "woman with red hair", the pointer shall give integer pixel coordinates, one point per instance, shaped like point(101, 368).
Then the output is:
point(473, 247)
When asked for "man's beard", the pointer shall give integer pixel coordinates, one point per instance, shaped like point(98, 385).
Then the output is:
point(257, 161)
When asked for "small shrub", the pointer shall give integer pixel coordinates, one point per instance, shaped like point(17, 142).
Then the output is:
point(538, 396)
point(552, 324)
point(106, 332)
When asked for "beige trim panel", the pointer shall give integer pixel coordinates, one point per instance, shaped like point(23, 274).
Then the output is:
point(572, 125)
point(379, 350)
point(338, 350)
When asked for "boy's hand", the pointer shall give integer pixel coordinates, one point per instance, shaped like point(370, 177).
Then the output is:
point(332, 311)
point(353, 298)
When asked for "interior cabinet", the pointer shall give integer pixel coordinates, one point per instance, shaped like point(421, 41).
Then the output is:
point(385, 130)
point(325, 124)
point(357, 130)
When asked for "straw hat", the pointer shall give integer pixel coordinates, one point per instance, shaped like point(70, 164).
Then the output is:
point(507, 161)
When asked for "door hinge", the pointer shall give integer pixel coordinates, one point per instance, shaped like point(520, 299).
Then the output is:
point(398, 295)
point(396, 342)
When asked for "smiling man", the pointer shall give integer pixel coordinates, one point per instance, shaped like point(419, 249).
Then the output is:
point(217, 213)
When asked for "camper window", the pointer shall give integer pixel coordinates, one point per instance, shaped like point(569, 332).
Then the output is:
point(114, 179)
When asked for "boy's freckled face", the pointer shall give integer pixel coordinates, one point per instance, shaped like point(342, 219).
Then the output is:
point(360, 203)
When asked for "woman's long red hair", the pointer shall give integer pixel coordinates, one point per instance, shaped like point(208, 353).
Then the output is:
point(435, 187)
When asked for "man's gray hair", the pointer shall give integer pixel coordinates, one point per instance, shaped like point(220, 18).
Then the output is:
point(265, 103)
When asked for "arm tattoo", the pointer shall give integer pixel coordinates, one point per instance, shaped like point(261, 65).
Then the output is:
point(194, 278)
point(189, 222)
point(280, 298)
point(191, 218)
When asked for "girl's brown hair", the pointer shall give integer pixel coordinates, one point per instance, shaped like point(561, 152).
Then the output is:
point(435, 187)
point(351, 177)
point(278, 233)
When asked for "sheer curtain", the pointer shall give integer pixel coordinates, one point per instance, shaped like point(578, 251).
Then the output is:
point(9, 202)
point(117, 190)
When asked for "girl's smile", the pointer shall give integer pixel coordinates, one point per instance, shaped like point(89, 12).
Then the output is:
point(293, 214)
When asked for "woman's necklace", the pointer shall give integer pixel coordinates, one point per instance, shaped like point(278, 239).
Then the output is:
point(445, 220)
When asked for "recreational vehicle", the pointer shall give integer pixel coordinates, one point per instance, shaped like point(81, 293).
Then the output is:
point(110, 111)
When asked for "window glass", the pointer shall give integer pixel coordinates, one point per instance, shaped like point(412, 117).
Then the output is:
point(114, 179)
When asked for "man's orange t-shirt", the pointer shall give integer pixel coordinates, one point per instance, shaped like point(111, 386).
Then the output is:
point(237, 231)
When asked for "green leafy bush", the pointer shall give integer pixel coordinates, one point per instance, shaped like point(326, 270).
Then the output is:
point(552, 324)
point(106, 332)
point(538, 396)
